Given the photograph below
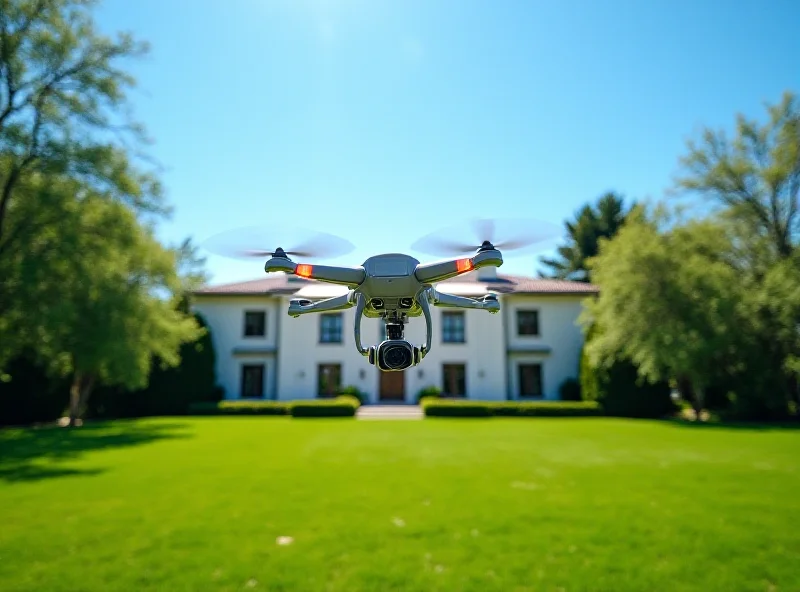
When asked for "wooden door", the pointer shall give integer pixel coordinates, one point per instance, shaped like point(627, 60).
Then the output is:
point(393, 386)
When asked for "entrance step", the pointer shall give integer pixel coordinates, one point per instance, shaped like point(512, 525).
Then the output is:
point(389, 412)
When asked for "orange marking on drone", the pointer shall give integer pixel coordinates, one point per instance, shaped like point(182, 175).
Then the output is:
point(304, 270)
point(463, 265)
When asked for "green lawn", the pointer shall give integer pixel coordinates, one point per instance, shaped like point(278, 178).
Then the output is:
point(449, 504)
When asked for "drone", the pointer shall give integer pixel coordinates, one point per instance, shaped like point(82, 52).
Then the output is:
point(395, 287)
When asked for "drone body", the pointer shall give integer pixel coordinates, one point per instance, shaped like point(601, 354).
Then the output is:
point(394, 287)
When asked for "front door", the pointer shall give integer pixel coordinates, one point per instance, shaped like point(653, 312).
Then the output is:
point(393, 386)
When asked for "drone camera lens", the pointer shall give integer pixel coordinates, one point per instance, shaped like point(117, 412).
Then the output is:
point(406, 302)
point(377, 303)
point(395, 355)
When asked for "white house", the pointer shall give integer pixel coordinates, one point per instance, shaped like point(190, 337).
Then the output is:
point(525, 351)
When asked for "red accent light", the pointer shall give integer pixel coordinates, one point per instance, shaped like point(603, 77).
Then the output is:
point(304, 270)
point(463, 265)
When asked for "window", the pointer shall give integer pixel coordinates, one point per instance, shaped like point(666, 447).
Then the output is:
point(253, 380)
point(329, 379)
point(330, 328)
point(255, 323)
point(455, 380)
point(530, 380)
point(453, 327)
point(527, 322)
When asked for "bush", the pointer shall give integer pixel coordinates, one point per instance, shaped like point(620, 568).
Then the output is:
point(170, 391)
point(622, 393)
point(341, 406)
point(30, 395)
point(241, 407)
point(570, 390)
point(354, 391)
point(549, 409)
point(432, 392)
point(453, 408)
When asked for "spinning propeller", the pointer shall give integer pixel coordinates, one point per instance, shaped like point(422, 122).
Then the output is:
point(513, 234)
point(263, 242)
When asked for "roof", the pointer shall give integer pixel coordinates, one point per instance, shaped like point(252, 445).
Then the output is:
point(464, 284)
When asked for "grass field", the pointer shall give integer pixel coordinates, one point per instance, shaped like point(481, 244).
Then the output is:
point(505, 504)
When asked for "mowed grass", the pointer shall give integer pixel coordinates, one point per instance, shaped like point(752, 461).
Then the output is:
point(449, 504)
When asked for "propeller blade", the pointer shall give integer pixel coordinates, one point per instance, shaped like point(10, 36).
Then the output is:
point(262, 242)
point(508, 235)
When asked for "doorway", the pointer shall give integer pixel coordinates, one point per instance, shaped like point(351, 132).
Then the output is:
point(392, 386)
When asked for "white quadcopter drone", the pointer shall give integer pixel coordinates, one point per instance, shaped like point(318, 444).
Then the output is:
point(391, 286)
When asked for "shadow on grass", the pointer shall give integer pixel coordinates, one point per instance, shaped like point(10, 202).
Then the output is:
point(35, 453)
point(736, 425)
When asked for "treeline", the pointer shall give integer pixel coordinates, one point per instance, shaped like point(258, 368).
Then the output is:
point(90, 300)
point(700, 293)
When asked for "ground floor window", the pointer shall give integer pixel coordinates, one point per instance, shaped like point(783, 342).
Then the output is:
point(454, 380)
point(253, 380)
point(530, 380)
point(329, 379)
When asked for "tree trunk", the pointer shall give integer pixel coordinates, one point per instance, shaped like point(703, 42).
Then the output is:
point(689, 393)
point(78, 396)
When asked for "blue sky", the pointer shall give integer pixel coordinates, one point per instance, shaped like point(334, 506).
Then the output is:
point(382, 121)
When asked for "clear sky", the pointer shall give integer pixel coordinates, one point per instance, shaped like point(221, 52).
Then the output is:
point(382, 121)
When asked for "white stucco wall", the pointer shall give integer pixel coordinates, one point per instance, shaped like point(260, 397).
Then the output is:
point(560, 339)
point(225, 317)
point(299, 353)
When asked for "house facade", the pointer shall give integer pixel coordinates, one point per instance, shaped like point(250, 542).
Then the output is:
point(525, 351)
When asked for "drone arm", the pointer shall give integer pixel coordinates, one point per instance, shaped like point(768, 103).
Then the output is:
point(347, 276)
point(488, 302)
point(360, 302)
point(426, 312)
point(442, 270)
point(300, 306)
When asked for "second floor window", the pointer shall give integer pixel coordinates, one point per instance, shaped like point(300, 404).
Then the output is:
point(453, 327)
point(330, 328)
point(255, 323)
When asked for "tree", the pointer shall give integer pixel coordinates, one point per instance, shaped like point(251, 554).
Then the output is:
point(583, 235)
point(103, 293)
point(669, 302)
point(64, 114)
point(755, 175)
point(754, 179)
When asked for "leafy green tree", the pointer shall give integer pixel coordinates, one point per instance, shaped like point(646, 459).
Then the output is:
point(669, 301)
point(754, 179)
point(104, 296)
point(592, 223)
point(64, 114)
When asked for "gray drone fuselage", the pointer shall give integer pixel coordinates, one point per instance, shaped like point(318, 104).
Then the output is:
point(392, 286)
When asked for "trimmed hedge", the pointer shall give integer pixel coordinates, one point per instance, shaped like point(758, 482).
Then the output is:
point(240, 408)
point(341, 406)
point(459, 408)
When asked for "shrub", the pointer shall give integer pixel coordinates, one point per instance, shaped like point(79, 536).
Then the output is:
point(454, 408)
point(570, 390)
point(434, 407)
point(548, 409)
point(241, 407)
point(29, 395)
point(621, 392)
point(432, 392)
point(341, 406)
point(354, 391)
point(170, 391)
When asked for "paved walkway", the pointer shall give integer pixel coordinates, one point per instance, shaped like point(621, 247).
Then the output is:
point(389, 412)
